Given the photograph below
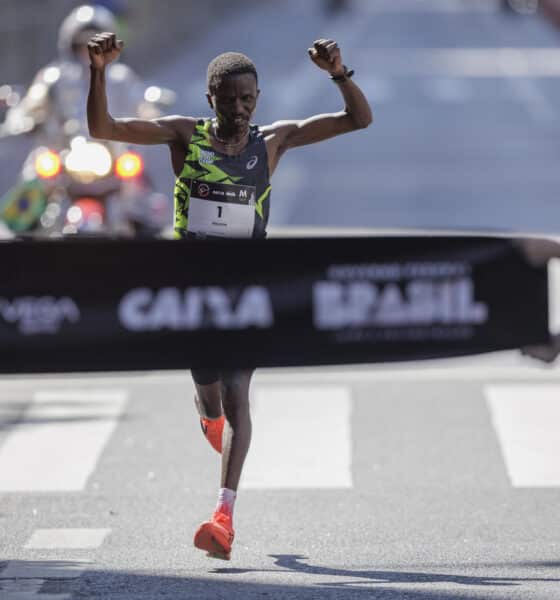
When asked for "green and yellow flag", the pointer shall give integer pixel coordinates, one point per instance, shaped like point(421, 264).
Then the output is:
point(22, 206)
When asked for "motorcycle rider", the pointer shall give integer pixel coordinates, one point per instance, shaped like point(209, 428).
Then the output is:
point(55, 100)
point(53, 109)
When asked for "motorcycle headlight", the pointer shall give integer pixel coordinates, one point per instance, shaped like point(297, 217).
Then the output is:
point(47, 164)
point(129, 165)
point(88, 160)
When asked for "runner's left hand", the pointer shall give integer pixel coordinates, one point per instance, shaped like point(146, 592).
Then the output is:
point(326, 55)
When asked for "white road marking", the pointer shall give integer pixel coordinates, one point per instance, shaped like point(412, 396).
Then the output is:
point(500, 62)
point(45, 569)
point(527, 421)
point(54, 539)
point(62, 434)
point(301, 438)
point(504, 62)
point(427, 6)
point(27, 589)
point(22, 580)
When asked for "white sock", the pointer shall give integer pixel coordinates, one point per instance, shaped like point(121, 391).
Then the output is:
point(226, 501)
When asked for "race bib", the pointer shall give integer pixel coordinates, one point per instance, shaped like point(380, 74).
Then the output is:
point(221, 210)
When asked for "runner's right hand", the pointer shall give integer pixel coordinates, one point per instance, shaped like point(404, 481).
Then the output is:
point(103, 49)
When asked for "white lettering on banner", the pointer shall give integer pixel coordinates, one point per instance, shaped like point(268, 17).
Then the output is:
point(142, 309)
point(35, 315)
point(422, 302)
point(396, 271)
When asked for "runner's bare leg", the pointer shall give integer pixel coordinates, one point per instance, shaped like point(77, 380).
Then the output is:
point(208, 400)
point(237, 429)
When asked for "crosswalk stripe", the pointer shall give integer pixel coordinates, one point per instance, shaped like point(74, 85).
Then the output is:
point(56, 446)
point(45, 569)
point(28, 589)
point(301, 438)
point(54, 539)
point(23, 580)
point(527, 418)
point(427, 6)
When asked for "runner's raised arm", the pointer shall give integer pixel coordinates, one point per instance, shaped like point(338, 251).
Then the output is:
point(104, 48)
point(357, 114)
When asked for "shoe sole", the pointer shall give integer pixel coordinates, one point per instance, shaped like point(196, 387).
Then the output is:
point(205, 539)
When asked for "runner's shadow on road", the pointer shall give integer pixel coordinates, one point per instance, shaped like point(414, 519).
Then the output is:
point(295, 563)
point(81, 579)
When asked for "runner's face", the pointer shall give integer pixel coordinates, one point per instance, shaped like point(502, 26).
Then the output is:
point(235, 100)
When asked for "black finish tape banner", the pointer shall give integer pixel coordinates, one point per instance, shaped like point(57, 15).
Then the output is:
point(105, 305)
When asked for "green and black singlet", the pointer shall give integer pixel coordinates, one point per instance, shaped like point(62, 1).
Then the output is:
point(217, 195)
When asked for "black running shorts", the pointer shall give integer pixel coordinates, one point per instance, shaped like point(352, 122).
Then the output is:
point(208, 376)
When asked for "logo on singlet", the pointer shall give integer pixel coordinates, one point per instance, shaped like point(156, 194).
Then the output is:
point(203, 190)
point(207, 157)
point(252, 162)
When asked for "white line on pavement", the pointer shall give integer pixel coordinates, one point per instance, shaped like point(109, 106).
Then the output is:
point(22, 580)
point(427, 6)
point(45, 569)
point(468, 62)
point(54, 539)
point(527, 421)
point(62, 434)
point(301, 438)
point(28, 589)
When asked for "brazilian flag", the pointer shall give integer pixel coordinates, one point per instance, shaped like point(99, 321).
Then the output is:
point(22, 206)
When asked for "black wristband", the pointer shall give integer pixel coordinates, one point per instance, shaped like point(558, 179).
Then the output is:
point(346, 75)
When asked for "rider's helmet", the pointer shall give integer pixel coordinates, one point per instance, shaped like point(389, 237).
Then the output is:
point(78, 27)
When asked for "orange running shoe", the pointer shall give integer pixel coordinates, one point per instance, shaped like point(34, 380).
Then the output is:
point(216, 536)
point(213, 430)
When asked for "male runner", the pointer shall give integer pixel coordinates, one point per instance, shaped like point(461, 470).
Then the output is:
point(223, 166)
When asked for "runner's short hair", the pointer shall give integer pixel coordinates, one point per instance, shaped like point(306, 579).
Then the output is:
point(225, 65)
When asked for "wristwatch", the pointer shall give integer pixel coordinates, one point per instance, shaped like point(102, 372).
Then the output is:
point(346, 75)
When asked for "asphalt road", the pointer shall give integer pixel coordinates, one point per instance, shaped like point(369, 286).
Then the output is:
point(405, 482)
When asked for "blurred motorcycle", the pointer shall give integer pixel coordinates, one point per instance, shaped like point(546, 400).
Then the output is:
point(69, 183)
point(85, 186)
point(10, 95)
point(79, 185)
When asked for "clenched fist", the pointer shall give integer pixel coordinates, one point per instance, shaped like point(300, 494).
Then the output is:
point(103, 49)
point(326, 55)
